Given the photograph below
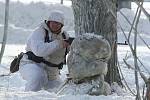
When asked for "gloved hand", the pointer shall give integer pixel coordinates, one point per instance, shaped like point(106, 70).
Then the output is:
point(65, 44)
point(60, 66)
point(70, 40)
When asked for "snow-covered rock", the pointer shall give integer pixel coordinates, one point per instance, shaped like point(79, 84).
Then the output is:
point(87, 65)
point(93, 86)
point(88, 56)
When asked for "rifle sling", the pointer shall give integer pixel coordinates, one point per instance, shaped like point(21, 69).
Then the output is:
point(37, 59)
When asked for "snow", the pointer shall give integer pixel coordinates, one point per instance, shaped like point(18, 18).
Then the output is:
point(25, 17)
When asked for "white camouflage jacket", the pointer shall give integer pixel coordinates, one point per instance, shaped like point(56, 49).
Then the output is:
point(52, 51)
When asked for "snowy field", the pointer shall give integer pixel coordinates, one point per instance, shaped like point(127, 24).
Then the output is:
point(11, 87)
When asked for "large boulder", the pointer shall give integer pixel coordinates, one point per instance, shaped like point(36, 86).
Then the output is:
point(87, 66)
point(88, 56)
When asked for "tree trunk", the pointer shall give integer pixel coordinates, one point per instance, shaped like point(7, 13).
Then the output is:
point(61, 2)
point(148, 90)
point(5, 29)
point(93, 16)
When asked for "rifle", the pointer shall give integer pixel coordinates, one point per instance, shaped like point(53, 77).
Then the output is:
point(70, 40)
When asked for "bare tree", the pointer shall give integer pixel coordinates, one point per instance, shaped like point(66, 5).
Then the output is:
point(5, 29)
point(94, 16)
point(61, 1)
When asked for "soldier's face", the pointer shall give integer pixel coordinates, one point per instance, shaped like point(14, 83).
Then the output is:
point(55, 26)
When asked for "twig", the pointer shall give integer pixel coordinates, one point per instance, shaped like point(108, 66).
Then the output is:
point(141, 74)
point(3, 75)
point(125, 81)
point(133, 23)
point(127, 38)
point(144, 41)
point(143, 65)
point(143, 94)
point(129, 66)
point(143, 9)
point(126, 56)
point(135, 57)
point(133, 28)
point(61, 88)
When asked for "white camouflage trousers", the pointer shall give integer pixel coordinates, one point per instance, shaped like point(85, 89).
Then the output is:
point(36, 78)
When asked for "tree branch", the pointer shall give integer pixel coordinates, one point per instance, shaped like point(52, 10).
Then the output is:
point(143, 9)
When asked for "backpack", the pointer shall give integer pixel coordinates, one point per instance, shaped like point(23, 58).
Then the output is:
point(14, 66)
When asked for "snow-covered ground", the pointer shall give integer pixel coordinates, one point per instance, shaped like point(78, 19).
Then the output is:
point(23, 23)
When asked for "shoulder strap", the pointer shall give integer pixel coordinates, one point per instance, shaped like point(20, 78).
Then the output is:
point(37, 59)
point(64, 36)
point(46, 36)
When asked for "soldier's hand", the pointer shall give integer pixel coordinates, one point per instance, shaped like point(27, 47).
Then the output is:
point(65, 44)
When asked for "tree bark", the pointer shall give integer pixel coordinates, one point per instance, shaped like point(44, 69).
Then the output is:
point(93, 16)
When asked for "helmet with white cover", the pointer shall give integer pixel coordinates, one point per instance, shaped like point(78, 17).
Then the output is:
point(56, 16)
